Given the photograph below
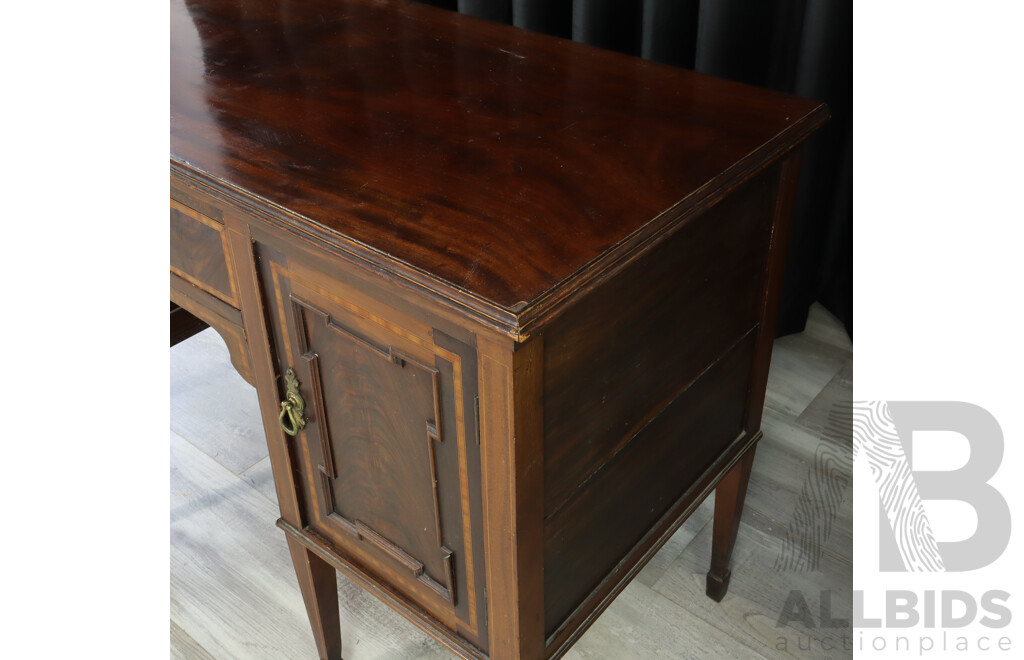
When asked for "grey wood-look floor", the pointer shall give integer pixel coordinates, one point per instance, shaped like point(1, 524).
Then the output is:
point(234, 594)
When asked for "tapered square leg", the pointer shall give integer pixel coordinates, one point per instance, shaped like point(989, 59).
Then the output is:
point(729, 496)
point(319, 586)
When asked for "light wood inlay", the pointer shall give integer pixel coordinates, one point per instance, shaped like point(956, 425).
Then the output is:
point(460, 434)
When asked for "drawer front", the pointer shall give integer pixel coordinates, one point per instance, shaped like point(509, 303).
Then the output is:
point(619, 357)
point(199, 253)
point(389, 454)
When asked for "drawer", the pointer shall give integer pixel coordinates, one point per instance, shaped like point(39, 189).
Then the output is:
point(199, 253)
point(618, 358)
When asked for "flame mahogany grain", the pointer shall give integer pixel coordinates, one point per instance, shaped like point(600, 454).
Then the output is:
point(491, 160)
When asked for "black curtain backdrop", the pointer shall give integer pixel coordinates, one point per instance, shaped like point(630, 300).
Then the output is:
point(803, 47)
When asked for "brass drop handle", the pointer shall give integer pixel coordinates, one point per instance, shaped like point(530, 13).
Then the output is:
point(291, 418)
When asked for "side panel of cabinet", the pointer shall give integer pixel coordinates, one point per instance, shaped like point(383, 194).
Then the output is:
point(646, 380)
point(388, 458)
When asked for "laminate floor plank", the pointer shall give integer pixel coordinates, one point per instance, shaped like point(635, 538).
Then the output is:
point(643, 624)
point(261, 477)
point(801, 367)
point(781, 474)
point(183, 647)
point(825, 327)
point(838, 391)
point(751, 610)
point(762, 584)
point(233, 588)
point(212, 406)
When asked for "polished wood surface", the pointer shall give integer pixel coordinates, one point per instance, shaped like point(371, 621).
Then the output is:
point(494, 162)
point(319, 585)
point(524, 289)
point(729, 497)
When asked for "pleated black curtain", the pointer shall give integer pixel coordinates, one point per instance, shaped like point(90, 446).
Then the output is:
point(803, 47)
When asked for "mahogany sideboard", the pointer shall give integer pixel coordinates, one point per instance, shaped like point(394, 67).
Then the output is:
point(507, 300)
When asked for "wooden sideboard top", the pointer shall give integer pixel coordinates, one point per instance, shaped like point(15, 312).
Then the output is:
point(504, 170)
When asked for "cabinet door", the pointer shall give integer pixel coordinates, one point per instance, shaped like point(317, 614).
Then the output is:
point(388, 454)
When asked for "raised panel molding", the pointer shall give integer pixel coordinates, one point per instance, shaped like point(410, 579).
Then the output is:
point(359, 529)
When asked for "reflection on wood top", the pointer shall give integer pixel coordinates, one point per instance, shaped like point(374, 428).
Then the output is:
point(484, 162)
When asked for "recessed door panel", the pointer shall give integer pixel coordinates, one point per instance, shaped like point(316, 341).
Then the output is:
point(377, 464)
